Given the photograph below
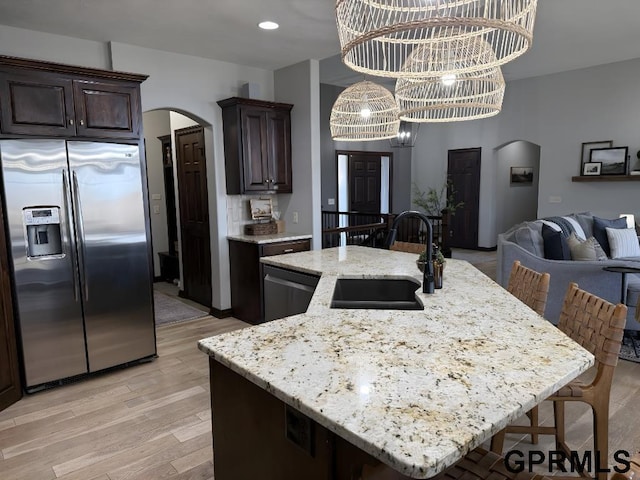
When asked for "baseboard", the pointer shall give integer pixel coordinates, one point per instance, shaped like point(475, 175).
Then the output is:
point(216, 312)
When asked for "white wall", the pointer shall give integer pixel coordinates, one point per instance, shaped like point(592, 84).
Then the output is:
point(177, 82)
point(558, 112)
point(156, 124)
point(191, 84)
point(299, 84)
point(516, 202)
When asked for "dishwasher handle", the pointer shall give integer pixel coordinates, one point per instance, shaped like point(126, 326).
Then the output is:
point(288, 283)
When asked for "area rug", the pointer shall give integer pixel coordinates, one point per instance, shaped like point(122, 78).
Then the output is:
point(170, 310)
point(631, 346)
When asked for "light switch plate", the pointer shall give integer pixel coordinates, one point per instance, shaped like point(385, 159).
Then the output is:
point(553, 199)
point(156, 196)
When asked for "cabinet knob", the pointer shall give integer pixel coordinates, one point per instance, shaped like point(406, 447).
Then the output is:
point(81, 122)
point(71, 121)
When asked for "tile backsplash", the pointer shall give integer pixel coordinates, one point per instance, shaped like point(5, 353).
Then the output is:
point(239, 214)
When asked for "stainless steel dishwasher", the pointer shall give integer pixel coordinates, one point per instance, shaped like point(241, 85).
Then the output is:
point(286, 292)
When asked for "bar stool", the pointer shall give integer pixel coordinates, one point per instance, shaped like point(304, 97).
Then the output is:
point(598, 326)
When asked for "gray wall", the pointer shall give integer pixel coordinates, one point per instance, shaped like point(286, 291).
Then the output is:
point(557, 112)
point(401, 174)
point(299, 84)
point(515, 202)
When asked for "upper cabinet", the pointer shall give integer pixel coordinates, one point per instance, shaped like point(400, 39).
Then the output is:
point(257, 145)
point(47, 99)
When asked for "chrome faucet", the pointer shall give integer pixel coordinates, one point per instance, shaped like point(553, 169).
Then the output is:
point(427, 278)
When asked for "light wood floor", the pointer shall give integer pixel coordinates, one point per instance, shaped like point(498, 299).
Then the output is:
point(152, 421)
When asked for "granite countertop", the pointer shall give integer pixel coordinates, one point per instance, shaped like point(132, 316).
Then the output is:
point(272, 238)
point(415, 389)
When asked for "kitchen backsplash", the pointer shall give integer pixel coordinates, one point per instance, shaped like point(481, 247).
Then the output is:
point(238, 212)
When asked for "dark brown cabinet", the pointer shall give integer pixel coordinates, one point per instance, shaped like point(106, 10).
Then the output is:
point(247, 290)
point(44, 99)
point(257, 145)
point(10, 386)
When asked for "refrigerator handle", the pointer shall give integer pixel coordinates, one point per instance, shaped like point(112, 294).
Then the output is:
point(80, 228)
point(69, 221)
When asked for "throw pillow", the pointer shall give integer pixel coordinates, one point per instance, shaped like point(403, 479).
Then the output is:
point(555, 245)
point(623, 242)
point(530, 240)
point(599, 226)
point(584, 250)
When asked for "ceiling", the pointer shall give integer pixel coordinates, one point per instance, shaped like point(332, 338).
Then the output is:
point(569, 34)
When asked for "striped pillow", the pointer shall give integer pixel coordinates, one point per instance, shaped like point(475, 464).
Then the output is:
point(623, 242)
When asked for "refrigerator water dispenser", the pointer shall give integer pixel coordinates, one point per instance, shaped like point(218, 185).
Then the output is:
point(43, 231)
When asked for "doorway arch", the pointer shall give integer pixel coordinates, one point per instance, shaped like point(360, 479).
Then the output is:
point(516, 201)
point(160, 126)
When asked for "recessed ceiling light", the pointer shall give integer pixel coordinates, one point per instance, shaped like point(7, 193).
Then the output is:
point(268, 25)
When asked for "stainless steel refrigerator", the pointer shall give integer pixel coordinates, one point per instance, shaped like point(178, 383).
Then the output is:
point(80, 254)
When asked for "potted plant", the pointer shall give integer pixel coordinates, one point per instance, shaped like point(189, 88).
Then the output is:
point(438, 264)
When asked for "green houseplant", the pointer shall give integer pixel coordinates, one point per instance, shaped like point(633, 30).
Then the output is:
point(433, 201)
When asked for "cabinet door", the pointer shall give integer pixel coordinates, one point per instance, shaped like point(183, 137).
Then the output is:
point(106, 109)
point(10, 386)
point(36, 103)
point(279, 155)
point(254, 149)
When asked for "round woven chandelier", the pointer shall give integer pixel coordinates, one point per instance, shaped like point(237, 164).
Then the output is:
point(377, 36)
point(364, 111)
point(458, 92)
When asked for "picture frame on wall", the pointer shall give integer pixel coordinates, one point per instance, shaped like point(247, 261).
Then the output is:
point(522, 175)
point(613, 160)
point(586, 151)
point(591, 168)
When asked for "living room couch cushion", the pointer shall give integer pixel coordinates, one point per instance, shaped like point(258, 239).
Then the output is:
point(623, 242)
point(585, 250)
point(555, 244)
point(600, 232)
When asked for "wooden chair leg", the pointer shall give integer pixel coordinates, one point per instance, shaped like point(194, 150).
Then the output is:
point(497, 441)
point(558, 415)
point(601, 437)
point(533, 415)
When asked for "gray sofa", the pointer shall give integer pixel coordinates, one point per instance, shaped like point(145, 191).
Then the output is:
point(522, 243)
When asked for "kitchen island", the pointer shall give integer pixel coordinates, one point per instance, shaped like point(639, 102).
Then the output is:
point(318, 394)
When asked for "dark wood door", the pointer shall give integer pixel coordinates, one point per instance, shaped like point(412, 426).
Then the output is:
point(279, 150)
point(36, 103)
point(364, 182)
point(254, 149)
point(10, 386)
point(193, 201)
point(105, 109)
point(463, 174)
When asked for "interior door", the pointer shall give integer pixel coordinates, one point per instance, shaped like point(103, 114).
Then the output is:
point(193, 199)
point(463, 173)
point(364, 184)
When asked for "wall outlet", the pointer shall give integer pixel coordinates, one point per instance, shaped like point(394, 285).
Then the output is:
point(156, 209)
point(331, 201)
point(553, 199)
point(295, 217)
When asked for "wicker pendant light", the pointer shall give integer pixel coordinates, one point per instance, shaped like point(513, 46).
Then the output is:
point(467, 94)
point(364, 111)
point(376, 36)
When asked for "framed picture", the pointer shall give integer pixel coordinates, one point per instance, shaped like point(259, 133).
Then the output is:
point(586, 151)
point(614, 160)
point(591, 168)
point(261, 208)
point(522, 175)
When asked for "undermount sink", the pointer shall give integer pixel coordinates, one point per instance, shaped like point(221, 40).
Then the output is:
point(376, 293)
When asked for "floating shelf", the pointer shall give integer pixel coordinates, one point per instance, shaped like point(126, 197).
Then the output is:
point(606, 178)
